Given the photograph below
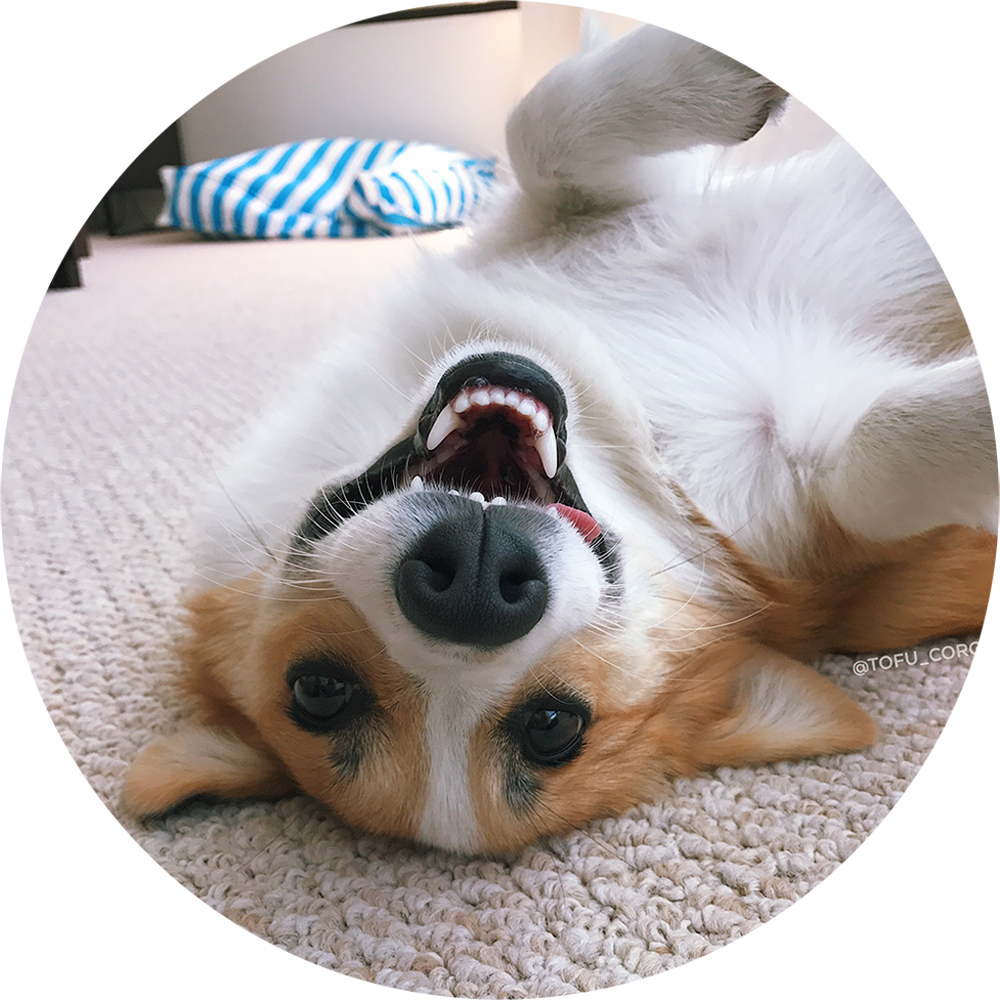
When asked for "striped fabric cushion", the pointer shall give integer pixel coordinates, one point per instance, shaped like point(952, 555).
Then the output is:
point(326, 187)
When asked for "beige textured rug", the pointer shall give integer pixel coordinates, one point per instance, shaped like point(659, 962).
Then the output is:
point(129, 391)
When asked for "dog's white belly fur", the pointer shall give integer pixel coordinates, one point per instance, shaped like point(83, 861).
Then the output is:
point(746, 325)
point(709, 312)
point(747, 314)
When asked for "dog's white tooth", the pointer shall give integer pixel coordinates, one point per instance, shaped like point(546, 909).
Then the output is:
point(498, 396)
point(479, 498)
point(416, 484)
point(454, 493)
point(513, 400)
point(481, 397)
point(448, 420)
point(527, 407)
point(541, 421)
point(546, 448)
point(461, 402)
point(498, 501)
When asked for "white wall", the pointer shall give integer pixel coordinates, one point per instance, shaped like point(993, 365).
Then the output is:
point(922, 77)
point(617, 16)
point(257, 72)
point(549, 33)
point(809, 119)
point(908, 77)
point(906, 81)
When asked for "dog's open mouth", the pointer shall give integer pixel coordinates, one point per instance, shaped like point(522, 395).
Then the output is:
point(494, 430)
point(493, 440)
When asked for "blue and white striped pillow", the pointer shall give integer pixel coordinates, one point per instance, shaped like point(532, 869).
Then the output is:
point(326, 187)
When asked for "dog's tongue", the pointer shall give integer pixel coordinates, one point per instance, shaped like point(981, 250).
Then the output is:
point(580, 520)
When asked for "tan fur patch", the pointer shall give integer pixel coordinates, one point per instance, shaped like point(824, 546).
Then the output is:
point(235, 659)
point(863, 596)
point(621, 763)
point(654, 695)
point(732, 702)
point(220, 629)
point(902, 593)
point(848, 594)
point(389, 792)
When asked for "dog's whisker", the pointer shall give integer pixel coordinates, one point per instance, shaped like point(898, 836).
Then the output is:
point(614, 666)
point(392, 385)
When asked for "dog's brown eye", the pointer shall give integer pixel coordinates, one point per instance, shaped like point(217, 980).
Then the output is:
point(326, 694)
point(553, 732)
point(322, 697)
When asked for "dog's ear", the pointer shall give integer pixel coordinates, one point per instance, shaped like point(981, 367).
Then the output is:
point(762, 706)
point(200, 760)
point(220, 752)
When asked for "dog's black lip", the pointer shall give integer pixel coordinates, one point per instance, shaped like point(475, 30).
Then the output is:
point(334, 504)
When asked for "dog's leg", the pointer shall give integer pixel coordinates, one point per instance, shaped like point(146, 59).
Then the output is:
point(923, 455)
point(937, 584)
point(578, 140)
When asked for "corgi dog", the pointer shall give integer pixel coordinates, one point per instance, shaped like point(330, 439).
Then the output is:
point(570, 510)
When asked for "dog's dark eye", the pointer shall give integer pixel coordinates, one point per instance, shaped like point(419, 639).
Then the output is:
point(553, 732)
point(322, 697)
point(326, 694)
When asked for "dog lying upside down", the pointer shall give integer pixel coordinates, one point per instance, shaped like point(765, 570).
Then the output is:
point(565, 515)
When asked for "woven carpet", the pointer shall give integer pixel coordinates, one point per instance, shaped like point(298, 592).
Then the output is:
point(129, 391)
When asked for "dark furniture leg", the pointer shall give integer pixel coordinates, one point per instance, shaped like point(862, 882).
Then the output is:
point(109, 212)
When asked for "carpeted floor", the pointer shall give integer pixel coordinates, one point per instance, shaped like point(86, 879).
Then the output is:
point(130, 389)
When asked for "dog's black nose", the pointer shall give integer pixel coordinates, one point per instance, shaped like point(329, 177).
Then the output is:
point(475, 577)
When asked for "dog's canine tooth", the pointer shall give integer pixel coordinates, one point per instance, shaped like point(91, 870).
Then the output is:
point(546, 448)
point(448, 420)
point(416, 484)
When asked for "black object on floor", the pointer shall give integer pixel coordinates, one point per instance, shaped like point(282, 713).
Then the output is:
point(42, 251)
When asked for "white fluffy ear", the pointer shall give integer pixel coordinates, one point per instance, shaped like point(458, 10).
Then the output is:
point(201, 761)
point(778, 709)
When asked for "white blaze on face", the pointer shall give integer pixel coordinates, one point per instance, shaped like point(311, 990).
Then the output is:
point(453, 713)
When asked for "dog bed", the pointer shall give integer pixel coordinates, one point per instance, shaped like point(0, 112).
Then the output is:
point(131, 394)
point(326, 188)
